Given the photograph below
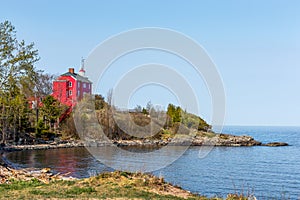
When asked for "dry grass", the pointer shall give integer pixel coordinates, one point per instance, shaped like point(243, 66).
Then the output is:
point(115, 185)
point(111, 185)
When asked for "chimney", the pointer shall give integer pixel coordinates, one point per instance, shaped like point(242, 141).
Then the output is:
point(71, 70)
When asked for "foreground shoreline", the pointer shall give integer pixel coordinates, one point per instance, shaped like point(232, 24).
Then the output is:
point(42, 184)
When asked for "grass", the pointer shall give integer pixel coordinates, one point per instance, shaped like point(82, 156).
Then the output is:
point(108, 185)
point(114, 185)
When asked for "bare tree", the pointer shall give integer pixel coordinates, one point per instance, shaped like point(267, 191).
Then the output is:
point(109, 97)
point(44, 83)
point(109, 114)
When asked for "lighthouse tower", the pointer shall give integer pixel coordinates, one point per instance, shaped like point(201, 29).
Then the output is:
point(82, 71)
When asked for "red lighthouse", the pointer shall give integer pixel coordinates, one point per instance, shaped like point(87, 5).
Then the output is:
point(70, 87)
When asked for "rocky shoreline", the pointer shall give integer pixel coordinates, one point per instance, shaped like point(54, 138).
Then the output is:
point(8, 174)
point(225, 140)
point(52, 145)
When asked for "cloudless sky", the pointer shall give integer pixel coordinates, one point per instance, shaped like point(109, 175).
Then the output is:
point(255, 45)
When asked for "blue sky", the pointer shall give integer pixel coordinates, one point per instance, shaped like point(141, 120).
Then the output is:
point(255, 45)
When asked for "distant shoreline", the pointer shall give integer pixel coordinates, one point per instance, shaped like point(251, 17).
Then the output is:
point(220, 140)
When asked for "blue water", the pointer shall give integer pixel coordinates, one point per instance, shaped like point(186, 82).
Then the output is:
point(267, 172)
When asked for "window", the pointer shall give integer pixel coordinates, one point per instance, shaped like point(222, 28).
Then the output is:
point(78, 84)
point(70, 84)
point(84, 85)
point(70, 92)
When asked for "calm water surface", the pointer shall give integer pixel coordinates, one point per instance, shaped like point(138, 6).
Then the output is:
point(268, 172)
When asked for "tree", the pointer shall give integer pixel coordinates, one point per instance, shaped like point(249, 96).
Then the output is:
point(16, 58)
point(51, 110)
point(177, 115)
point(145, 111)
point(149, 106)
point(138, 109)
point(17, 61)
point(44, 86)
point(109, 115)
point(174, 115)
point(99, 102)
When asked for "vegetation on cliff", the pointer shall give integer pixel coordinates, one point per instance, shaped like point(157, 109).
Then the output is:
point(120, 124)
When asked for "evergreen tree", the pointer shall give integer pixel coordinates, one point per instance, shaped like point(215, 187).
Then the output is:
point(17, 61)
point(51, 110)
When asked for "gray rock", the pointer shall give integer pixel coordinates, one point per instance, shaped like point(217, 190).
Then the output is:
point(276, 144)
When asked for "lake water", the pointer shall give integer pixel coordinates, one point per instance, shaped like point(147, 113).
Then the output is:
point(268, 172)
